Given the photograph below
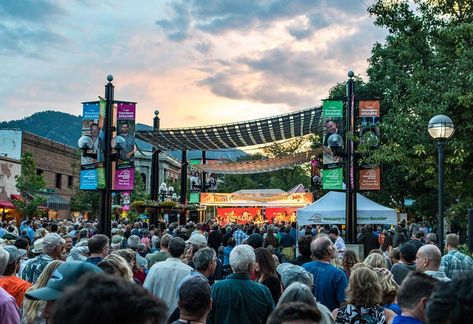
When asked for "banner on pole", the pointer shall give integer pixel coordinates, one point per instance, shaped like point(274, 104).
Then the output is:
point(369, 176)
point(124, 171)
point(332, 118)
point(370, 179)
point(332, 179)
point(92, 123)
point(92, 174)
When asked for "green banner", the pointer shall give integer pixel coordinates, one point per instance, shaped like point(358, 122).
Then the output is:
point(332, 179)
point(192, 162)
point(332, 109)
point(100, 177)
point(194, 198)
point(102, 107)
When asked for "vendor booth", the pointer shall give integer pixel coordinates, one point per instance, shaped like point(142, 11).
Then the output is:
point(330, 209)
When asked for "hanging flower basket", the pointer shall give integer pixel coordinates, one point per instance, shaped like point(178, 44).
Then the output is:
point(167, 206)
point(139, 206)
point(152, 205)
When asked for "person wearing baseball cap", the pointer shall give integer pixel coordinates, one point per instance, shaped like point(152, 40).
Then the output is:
point(66, 275)
point(9, 312)
point(9, 281)
point(52, 247)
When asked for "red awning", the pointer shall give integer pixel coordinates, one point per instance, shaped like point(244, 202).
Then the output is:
point(6, 204)
point(16, 197)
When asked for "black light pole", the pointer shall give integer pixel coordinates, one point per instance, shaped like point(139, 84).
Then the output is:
point(350, 203)
point(441, 128)
point(86, 144)
point(155, 169)
point(105, 222)
point(184, 177)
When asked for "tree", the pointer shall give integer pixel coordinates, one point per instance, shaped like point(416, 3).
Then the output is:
point(29, 184)
point(281, 179)
point(424, 69)
point(139, 191)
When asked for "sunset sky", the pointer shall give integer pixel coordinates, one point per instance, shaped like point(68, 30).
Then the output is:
point(199, 62)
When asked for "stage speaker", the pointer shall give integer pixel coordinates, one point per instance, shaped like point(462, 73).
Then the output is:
point(470, 229)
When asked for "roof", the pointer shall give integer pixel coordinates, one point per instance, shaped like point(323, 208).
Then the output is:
point(241, 134)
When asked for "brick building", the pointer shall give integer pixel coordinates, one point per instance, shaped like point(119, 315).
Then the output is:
point(54, 161)
point(58, 164)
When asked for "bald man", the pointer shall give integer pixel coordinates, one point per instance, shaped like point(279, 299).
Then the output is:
point(329, 281)
point(428, 259)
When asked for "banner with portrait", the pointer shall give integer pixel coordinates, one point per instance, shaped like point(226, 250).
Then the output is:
point(332, 118)
point(195, 179)
point(124, 171)
point(92, 176)
point(370, 136)
point(92, 173)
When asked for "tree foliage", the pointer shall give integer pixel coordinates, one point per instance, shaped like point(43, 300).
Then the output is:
point(282, 179)
point(29, 184)
point(422, 69)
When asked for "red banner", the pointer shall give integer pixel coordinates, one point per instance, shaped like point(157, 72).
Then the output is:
point(279, 214)
point(370, 179)
point(239, 215)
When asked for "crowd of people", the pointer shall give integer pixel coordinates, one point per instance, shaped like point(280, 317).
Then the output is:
point(65, 272)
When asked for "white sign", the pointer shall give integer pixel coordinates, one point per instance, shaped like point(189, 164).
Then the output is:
point(10, 143)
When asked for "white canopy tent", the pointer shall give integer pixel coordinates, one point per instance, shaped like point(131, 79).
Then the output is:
point(330, 209)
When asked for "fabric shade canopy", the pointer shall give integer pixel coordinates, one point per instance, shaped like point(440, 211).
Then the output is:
point(330, 209)
point(241, 134)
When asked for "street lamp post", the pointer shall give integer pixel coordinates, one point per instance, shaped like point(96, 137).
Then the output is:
point(155, 168)
point(350, 203)
point(85, 143)
point(335, 142)
point(441, 128)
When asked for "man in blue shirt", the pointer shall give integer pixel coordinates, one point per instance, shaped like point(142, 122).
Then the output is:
point(330, 282)
point(29, 231)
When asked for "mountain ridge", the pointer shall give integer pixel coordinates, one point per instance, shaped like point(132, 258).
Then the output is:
point(65, 128)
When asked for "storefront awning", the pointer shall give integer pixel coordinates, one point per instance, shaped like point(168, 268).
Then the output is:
point(6, 204)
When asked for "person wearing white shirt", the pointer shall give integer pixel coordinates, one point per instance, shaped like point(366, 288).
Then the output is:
point(164, 277)
point(339, 242)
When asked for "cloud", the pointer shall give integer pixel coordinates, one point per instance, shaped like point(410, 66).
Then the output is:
point(30, 10)
point(26, 41)
point(217, 17)
point(26, 30)
point(176, 28)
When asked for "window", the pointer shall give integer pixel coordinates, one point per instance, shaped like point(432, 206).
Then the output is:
point(70, 181)
point(39, 172)
point(58, 180)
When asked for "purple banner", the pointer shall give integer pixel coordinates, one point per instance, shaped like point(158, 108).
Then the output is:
point(123, 179)
point(126, 111)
